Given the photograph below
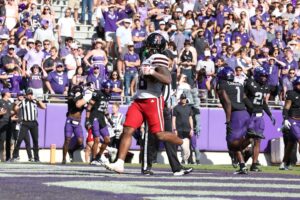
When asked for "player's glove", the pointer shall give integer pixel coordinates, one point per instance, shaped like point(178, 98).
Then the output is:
point(228, 128)
point(88, 124)
point(273, 120)
point(88, 95)
point(287, 124)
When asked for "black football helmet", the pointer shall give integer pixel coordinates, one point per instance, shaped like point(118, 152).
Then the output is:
point(155, 43)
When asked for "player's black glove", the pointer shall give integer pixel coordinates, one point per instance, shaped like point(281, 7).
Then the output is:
point(88, 124)
point(228, 128)
point(273, 120)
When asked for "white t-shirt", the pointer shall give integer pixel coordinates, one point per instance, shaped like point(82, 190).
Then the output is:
point(66, 24)
point(70, 60)
point(209, 66)
point(125, 35)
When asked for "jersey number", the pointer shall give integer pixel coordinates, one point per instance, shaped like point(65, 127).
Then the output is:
point(238, 96)
point(142, 84)
point(103, 106)
point(258, 99)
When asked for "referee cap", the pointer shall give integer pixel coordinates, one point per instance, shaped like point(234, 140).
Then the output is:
point(29, 91)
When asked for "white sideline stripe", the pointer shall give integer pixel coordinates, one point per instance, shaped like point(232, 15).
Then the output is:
point(185, 198)
point(139, 188)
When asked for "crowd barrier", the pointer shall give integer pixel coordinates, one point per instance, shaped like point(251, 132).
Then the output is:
point(212, 137)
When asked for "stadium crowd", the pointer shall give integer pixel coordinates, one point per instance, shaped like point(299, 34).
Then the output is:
point(43, 54)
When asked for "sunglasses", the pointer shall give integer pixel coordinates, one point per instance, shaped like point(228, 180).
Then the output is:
point(46, 9)
point(291, 73)
point(96, 67)
point(46, 44)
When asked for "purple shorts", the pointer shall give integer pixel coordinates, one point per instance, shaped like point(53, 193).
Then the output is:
point(73, 126)
point(97, 130)
point(257, 123)
point(295, 129)
point(239, 124)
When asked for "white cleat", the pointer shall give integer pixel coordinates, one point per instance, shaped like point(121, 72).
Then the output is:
point(115, 167)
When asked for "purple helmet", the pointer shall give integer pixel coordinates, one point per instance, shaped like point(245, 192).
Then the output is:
point(106, 84)
point(226, 74)
point(296, 81)
point(260, 72)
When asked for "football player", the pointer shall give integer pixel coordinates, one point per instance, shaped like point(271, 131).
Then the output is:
point(95, 119)
point(256, 90)
point(148, 102)
point(291, 116)
point(76, 102)
point(233, 100)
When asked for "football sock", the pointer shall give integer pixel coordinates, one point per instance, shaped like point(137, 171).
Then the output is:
point(242, 165)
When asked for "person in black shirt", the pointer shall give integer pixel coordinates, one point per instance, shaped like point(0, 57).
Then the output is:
point(95, 119)
point(256, 90)
point(233, 100)
point(291, 116)
point(182, 122)
point(5, 113)
point(29, 108)
point(76, 102)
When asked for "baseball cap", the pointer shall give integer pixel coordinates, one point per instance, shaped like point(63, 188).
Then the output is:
point(126, 20)
point(130, 43)
point(60, 64)
point(4, 37)
point(30, 40)
point(20, 93)
point(74, 46)
point(5, 90)
point(183, 96)
point(44, 22)
point(29, 91)
point(11, 46)
point(178, 10)
point(162, 23)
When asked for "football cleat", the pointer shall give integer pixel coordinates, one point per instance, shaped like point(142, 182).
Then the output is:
point(243, 170)
point(147, 172)
point(96, 162)
point(115, 167)
point(253, 134)
point(254, 168)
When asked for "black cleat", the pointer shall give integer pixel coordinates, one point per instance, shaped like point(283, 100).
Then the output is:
point(243, 170)
point(254, 168)
point(147, 172)
point(187, 170)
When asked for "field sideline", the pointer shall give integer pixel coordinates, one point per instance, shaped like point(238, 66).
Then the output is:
point(79, 181)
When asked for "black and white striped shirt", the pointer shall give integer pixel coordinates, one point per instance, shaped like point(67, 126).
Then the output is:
point(28, 110)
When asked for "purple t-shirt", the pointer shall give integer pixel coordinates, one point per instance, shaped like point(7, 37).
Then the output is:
point(110, 21)
point(28, 32)
point(273, 78)
point(96, 80)
point(138, 33)
point(14, 80)
point(289, 65)
point(36, 81)
point(116, 84)
point(131, 58)
point(58, 82)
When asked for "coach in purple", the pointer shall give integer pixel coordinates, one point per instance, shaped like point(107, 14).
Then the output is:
point(57, 81)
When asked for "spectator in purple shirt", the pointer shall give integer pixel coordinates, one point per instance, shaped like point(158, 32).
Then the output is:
point(110, 19)
point(131, 61)
point(24, 30)
point(289, 61)
point(36, 80)
point(258, 34)
point(241, 32)
point(272, 67)
point(117, 85)
point(278, 41)
point(96, 78)
point(3, 28)
point(138, 36)
point(57, 81)
point(14, 80)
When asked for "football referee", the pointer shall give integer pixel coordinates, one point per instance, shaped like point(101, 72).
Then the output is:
point(28, 109)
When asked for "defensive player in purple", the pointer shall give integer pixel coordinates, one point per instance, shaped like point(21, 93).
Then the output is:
point(256, 90)
point(95, 119)
point(233, 100)
point(76, 102)
point(291, 116)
